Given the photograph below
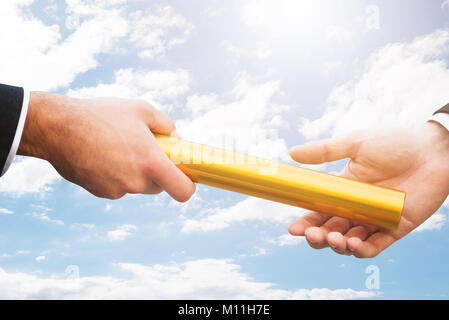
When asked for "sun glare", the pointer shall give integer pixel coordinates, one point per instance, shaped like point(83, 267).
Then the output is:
point(285, 15)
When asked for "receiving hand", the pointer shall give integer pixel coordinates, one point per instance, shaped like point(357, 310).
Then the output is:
point(415, 161)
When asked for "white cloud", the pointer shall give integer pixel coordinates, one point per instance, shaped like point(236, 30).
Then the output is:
point(45, 217)
point(51, 9)
point(197, 279)
point(43, 59)
point(154, 33)
point(254, 209)
point(330, 67)
point(87, 225)
point(287, 240)
point(158, 87)
point(108, 207)
point(41, 212)
point(195, 203)
point(258, 252)
point(339, 34)
point(213, 12)
point(86, 232)
point(47, 59)
point(198, 104)
point(122, 232)
point(41, 207)
point(435, 222)
point(5, 211)
point(248, 123)
point(262, 51)
point(401, 84)
point(287, 16)
point(91, 7)
point(40, 258)
point(18, 252)
point(159, 200)
point(445, 4)
point(23, 252)
point(28, 175)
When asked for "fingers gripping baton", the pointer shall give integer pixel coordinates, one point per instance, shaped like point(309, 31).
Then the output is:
point(286, 183)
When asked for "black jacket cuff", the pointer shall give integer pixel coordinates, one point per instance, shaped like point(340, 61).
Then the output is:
point(11, 99)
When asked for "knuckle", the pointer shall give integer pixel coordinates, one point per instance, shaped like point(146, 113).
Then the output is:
point(114, 195)
point(154, 190)
point(132, 186)
point(145, 107)
point(150, 166)
point(107, 192)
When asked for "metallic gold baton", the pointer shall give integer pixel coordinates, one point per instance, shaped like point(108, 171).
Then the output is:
point(286, 183)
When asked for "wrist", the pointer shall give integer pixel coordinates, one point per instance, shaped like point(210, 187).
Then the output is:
point(44, 117)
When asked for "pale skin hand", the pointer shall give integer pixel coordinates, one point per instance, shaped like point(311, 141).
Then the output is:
point(412, 160)
point(105, 145)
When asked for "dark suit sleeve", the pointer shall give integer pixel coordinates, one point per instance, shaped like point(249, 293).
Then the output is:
point(11, 99)
point(444, 109)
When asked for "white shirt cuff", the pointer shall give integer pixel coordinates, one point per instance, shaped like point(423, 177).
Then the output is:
point(442, 118)
point(19, 130)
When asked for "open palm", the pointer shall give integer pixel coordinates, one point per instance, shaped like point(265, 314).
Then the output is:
point(412, 160)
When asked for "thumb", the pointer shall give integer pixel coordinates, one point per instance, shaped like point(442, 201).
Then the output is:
point(325, 150)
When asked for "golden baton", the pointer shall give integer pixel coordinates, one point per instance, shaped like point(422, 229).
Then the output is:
point(286, 183)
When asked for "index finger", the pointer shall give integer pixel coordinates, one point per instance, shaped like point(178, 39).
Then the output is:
point(167, 175)
point(156, 120)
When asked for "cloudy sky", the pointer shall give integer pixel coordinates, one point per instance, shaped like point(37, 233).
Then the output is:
point(261, 75)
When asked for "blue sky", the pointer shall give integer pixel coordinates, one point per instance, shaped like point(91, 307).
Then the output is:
point(262, 75)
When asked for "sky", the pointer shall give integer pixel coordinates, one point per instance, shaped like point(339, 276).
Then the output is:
point(261, 76)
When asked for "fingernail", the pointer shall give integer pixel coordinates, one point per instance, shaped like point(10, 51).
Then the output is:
point(333, 247)
point(352, 250)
